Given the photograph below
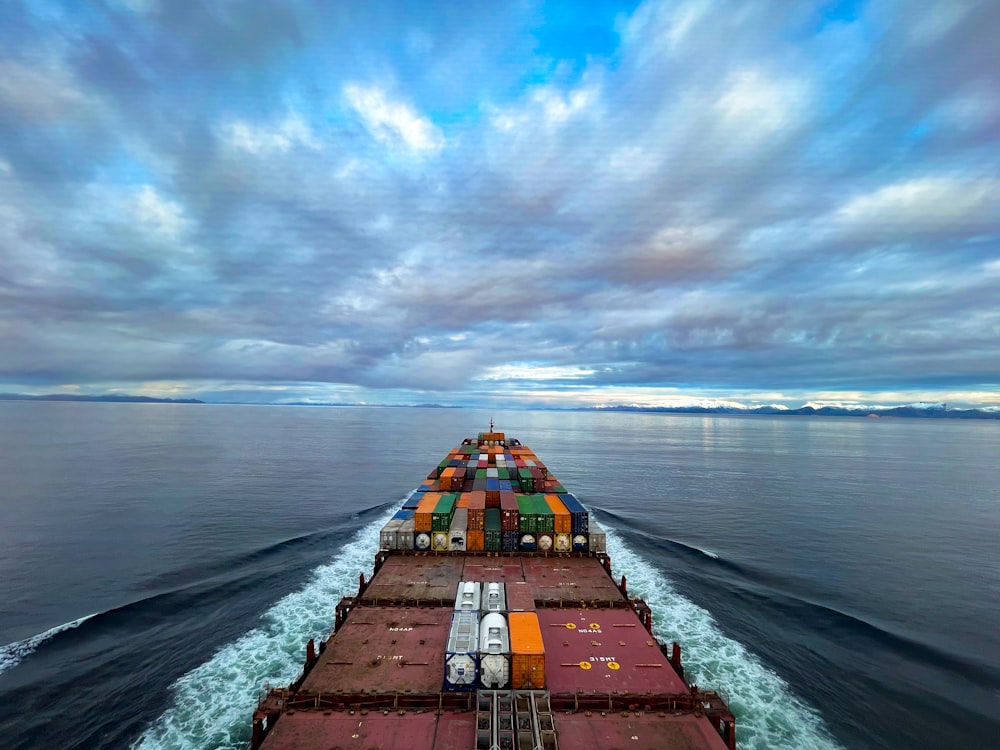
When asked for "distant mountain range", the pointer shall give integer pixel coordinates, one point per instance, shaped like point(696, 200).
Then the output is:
point(923, 411)
point(920, 411)
point(114, 399)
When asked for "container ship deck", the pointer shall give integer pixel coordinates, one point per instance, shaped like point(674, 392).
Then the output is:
point(492, 621)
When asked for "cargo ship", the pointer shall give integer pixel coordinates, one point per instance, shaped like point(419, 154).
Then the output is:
point(492, 621)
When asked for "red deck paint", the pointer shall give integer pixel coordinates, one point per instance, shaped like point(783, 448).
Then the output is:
point(636, 731)
point(384, 650)
point(603, 651)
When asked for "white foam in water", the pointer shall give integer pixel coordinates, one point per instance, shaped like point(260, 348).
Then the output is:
point(768, 715)
point(12, 654)
point(213, 703)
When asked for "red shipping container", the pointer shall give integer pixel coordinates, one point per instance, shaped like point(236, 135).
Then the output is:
point(510, 516)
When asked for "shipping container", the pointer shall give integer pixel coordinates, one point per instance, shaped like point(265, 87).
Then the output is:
point(494, 652)
point(475, 540)
point(561, 519)
point(443, 513)
point(563, 542)
point(413, 500)
point(546, 518)
point(527, 651)
point(477, 510)
point(462, 652)
point(527, 543)
point(598, 539)
point(509, 540)
point(457, 532)
point(387, 536)
point(422, 541)
point(491, 538)
point(580, 543)
point(578, 514)
point(546, 541)
point(468, 597)
point(510, 516)
point(423, 517)
point(404, 535)
point(493, 598)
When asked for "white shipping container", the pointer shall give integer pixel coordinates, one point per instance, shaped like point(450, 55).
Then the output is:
point(494, 652)
point(494, 597)
point(457, 533)
point(598, 539)
point(404, 535)
point(467, 599)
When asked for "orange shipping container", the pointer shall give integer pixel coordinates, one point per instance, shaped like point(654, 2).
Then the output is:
point(477, 510)
point(474, 540)
point(560, 516)
point(527, 652)
point(463, 500)
point(422, 517)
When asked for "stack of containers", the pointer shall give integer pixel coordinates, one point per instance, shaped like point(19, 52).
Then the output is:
point(527, 652)
point(492, 539)
point(580, 520)
point(413, 500)
point(528, 525)
point(510, 522)
point(544, 523)
point(562, 523)
point(475, 539)
point(423, 520)
point(387, 536)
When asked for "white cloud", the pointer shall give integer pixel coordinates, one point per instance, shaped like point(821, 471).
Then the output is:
point(755, 104)
point(158, 214)
point(535, 372)
point(279, 138)
point(925, 204)
point(391, 122)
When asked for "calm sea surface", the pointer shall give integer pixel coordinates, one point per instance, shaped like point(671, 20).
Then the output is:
point(839, 579)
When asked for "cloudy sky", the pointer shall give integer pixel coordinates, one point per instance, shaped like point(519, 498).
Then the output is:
point(502, 202)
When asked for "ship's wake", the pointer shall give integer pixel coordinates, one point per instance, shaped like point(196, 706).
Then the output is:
point(12, 654)
point(212, 704)
point(769, 715)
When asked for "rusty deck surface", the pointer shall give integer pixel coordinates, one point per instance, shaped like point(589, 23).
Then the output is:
point(384, 650)
point(636, 731)
point(497, 569)
point(416, 577)
point(576, 579)
point(603, 651)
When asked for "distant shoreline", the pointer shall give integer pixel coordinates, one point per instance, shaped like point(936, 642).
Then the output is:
point(937, 411)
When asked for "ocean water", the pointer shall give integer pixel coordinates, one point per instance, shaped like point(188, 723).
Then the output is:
point(837, 579)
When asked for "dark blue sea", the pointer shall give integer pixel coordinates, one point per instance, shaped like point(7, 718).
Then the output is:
point(837, 578)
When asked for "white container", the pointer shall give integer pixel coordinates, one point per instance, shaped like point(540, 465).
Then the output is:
point(494, 652)
point(598, 539)
point(462, 654)
point(468, 596)
point(494, 597)
point(387, 536)
point(404, 535)
point(457, 534)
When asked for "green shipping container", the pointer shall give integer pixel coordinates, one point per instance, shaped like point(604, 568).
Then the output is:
point(546, 518)
point(443, 513)
point(492, 539)
point(529, 518)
